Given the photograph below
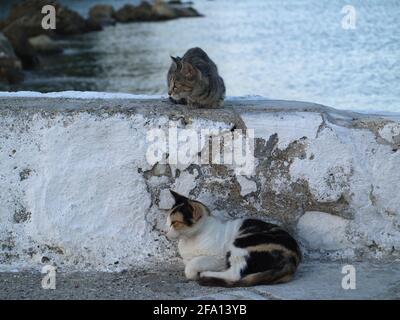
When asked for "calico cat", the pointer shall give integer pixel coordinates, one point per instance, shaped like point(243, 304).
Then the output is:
point(194, 80)
point(233, 253)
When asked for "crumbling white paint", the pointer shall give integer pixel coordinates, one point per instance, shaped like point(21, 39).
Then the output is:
point(391, 132)
point(81, 177)
point(246, 185)
point(166, 200)
point(87, 200)
point(289, 126)
point(327, 167)
point(350, 163)
point(185, 183)
point(84, 191)
point(323, 231)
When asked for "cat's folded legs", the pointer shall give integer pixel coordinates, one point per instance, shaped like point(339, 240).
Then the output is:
point(203, 263)
point(237, 262)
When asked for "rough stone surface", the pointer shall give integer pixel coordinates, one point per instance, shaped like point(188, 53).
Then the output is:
point(166, 281)
point(246, 185)
point(77, 190)
point(323, 231)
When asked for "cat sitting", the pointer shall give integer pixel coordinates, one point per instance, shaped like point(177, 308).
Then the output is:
point(194, 80)
point(231, 253)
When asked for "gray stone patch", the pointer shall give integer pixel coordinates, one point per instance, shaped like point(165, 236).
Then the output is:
point(24, 174)
point(21, 215)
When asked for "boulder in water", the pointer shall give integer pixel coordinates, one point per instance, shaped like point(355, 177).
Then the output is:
point(165, 11)
point(168, 11)
point(10, 65)
point(25, 21)
point(131, 13)
point(17, 33)
point(160, 10)
point(68, 22)
point(101, 15)
point(44, 44)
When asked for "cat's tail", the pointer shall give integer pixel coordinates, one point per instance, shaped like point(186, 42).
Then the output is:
point(267, 277)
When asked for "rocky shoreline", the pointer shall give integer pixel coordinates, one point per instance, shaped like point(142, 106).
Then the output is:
point(23, 40)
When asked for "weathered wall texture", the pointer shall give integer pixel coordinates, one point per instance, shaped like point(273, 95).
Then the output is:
point(76, 189)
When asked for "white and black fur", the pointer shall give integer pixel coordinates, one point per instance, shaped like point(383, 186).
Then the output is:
point(229, 253)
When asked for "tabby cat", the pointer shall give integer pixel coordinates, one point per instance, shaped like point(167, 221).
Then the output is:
point(240, 252)
point(194, 80)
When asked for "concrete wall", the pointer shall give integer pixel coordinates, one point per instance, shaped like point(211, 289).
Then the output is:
point(77, 190)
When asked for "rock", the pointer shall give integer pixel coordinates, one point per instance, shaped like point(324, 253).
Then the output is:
point(25, 21)
point(164, 11)
point(28, 8)
point(6, 49)
point(130, 13)
point(246, 185)
point(2, 24)
point(101, 15)
point(187, 12)
point(68, 22)
point(17, 33)
point(28, 26)
point(179, 2)
point(10, 65)
point(160, 10)
point(166, 200)
point(391, 133)
point(323, 231)
point(44, 44)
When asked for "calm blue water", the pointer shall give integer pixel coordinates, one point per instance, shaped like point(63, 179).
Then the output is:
point(293, 49)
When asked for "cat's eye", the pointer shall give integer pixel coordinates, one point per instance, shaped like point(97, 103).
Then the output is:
point(175, 223)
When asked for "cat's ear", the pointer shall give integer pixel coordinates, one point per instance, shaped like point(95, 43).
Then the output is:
point(198, 209)
point(189, 71)
point(176, 61)
point(178, 197)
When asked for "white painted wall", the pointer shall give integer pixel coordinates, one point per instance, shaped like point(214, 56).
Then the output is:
point(72, 190)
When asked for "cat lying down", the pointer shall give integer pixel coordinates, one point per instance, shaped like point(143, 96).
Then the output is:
point(232, 253)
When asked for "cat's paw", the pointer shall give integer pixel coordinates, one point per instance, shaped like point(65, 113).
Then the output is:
point(191, 274)
point(206, 274)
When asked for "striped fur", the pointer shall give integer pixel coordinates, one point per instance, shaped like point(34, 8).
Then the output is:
point(194, 80)
point(232, 253)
